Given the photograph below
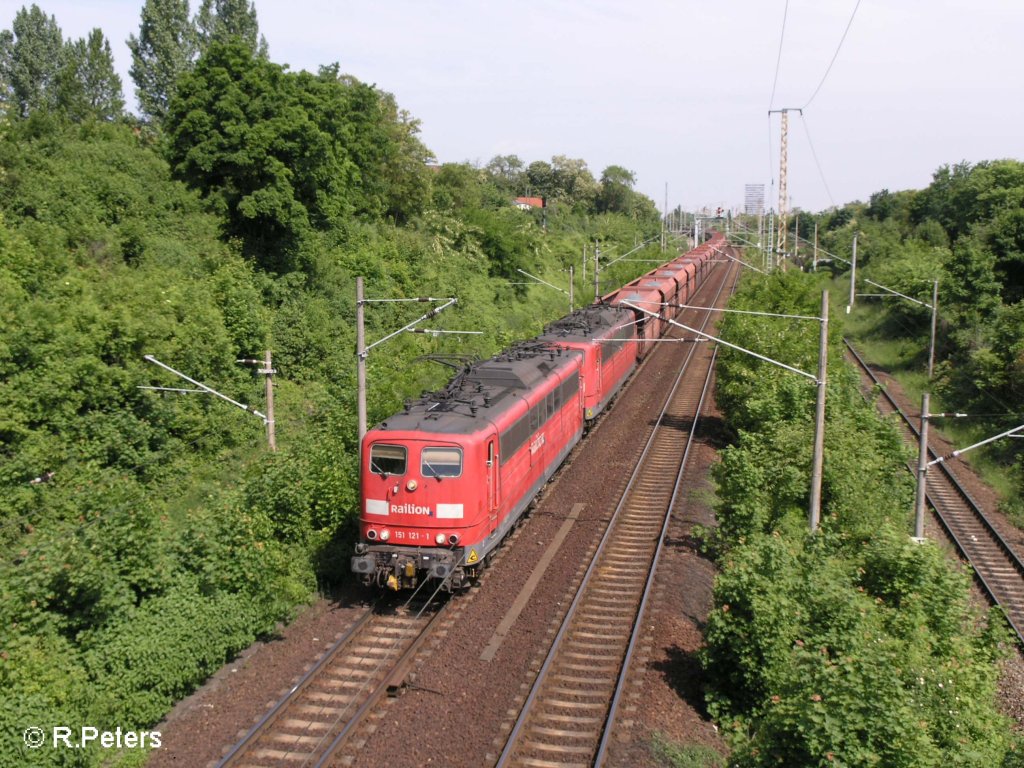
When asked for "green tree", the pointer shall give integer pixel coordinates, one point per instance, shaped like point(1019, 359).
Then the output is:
point(540, 177)
point(164, 50)
point(283, 154)
point(6, 86)
point(238, 134)
point(891, 205)
point(616, 195)
point(218, 20)
point(90, 88)
point(963, 195)
point(407, 181)
point(458, 187)
point(382, 160)
point(508, 172)
point(573, 183)
point(32, 59)
point(1003, 235)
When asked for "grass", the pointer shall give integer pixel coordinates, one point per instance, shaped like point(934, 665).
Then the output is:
point(685, 756)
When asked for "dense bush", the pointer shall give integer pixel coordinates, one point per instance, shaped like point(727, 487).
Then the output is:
point(852, 646)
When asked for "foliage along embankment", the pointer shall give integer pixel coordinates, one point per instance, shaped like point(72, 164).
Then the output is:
point(853, 646)
point(145, 538)
point(966, 230)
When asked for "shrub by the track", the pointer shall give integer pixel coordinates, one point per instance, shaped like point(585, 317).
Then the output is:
point(853, 646)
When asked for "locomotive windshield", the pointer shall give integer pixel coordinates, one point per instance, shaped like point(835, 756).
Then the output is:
point(442, 462)
point(387, 459)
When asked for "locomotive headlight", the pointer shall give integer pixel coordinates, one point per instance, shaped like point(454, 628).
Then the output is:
point(385, 535)
point(412, 485)
point(453, 539)
point(371, 534)
point(439, 538)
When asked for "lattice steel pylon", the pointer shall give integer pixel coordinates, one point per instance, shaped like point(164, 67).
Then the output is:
point(783, 162)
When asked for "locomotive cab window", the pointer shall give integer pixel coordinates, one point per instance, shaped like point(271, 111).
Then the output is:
point(441, 462)
point(387, 460)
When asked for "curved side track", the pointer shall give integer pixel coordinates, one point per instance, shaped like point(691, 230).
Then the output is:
point(997, 567)
point(567, 717)
point(315, 717)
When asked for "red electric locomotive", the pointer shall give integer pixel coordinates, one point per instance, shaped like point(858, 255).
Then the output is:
point(444, 481)
point(606, 337)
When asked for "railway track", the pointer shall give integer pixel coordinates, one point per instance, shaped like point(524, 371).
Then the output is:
point(568, 716)
point(316, 716)
point(331, 710)
point(997, 567)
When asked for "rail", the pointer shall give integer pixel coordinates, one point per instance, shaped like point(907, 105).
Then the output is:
point(1007, 595)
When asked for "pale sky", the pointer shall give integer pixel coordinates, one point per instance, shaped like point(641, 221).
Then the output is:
point(677, 92)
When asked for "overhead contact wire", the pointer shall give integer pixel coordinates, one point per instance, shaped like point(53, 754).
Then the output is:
point(778, 58)
point(834, 55)
point(817, 163)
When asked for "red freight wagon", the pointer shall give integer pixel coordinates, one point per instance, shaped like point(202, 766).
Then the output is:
point(606, 336)
point(444, 481)
point(687, 275)
point(648, 328)
point(699, 263)
point(679, 278)
point(666, 288)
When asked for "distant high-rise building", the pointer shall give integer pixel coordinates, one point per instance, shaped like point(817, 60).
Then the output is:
point(753, 200)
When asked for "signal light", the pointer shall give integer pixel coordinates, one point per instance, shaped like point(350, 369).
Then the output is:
point(385, 535)
point(371, 534)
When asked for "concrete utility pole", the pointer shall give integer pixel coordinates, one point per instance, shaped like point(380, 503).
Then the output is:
point(363, 349)
point(935, 315)
point(922, 469)
point(783, 167)
point(853, 274)
point(268, 371)
point(597, 269)
point(815, 246)
point(819, 418)
point(664, 222)
point(796, 237)
point(360, 360)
